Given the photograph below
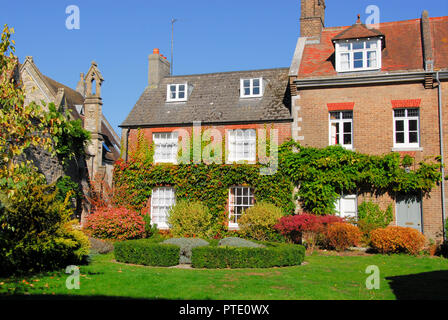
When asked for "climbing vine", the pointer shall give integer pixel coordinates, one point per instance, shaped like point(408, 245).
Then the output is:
point(322, 175)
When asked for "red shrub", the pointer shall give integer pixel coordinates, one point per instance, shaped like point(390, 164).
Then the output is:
point(309, 226)
point(115, 223)
point(342, 236)
point(397, 240)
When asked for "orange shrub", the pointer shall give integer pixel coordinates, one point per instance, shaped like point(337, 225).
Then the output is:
point(397, 240)
point(342, 236)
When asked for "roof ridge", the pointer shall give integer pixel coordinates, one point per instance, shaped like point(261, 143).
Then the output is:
point(225, 72)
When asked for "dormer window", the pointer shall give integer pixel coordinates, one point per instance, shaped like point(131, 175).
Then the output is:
point(177, 92)
point(251, 88)
point(358, 55)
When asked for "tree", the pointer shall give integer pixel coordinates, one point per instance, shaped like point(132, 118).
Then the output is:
point(23, 126)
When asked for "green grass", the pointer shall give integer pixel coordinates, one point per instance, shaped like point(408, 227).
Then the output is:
point(322, 277)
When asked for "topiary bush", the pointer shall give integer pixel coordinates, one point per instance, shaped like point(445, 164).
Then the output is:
point(233, 257)
point(37, 233)
point(186, 245)
point(147, 253)
point(238, 242)
point(189, 219)
point(341, 236)
point(258, 221)
point(115, 223)
point(397, 240)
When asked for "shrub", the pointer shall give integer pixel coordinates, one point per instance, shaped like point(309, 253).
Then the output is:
point(186, 245)
point(146, 252)
point(371, 217)
point(308, 227)
point(101, 246)
point(232, 257)
point(342, 236)
point(258, 221)
point(397, 240)
point(36, 232)
point(115, 223)
point(238, 242)
point(189, 219)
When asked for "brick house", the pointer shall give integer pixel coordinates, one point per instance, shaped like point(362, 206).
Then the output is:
point(84, 103)
point(375, 89)
point(236, 105)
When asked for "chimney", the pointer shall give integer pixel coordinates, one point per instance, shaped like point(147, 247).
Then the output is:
point(158, 68)
point(427, 42)
point(312, 19)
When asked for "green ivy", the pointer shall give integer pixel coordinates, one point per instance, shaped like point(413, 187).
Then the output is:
point(206, 183)
point(324, 174)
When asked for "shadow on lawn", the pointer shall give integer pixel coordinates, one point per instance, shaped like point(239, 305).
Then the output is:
point(20, 297)
point(421, 286)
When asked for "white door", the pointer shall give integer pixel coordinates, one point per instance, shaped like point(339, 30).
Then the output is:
point(347, 206)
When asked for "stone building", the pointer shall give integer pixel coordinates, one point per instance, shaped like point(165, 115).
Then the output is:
point(375, 89)
point(84, 103)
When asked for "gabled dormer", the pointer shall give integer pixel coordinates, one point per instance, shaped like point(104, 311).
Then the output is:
point(358, 48)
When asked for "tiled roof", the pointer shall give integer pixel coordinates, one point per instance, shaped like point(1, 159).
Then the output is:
point(358, 31)
point(402, 52)
point(215, 98)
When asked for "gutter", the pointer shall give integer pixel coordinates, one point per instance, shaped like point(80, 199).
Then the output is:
point(365, 79)
point(442, 154)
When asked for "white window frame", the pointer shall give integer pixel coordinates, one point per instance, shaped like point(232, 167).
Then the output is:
point(168, 140)
point(406, 119)
point(233, 195)
point(341, 50)
point(242, 138)
point(251, 88)
point(341, 122)
point(339, 207)
point(177, 86)
point(162, 204)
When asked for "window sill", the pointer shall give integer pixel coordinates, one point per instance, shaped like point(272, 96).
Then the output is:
point(251, 97)
point(233, 228)
point(404, 149)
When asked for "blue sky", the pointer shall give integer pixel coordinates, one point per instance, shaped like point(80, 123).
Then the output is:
point(210, 36)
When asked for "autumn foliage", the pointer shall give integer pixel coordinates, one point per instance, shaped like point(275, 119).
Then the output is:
point(115, 223)
point(397, 240)
point(342, 236)
point(307, 226)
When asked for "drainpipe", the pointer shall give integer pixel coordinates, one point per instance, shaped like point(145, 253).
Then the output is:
point(127, 142)
point(441, 152)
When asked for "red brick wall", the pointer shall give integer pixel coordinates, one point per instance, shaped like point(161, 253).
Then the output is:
point(373, 128)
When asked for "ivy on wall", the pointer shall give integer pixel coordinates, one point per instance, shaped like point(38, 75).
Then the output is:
point(324, 174)
point(207, 183)
point(321, 176)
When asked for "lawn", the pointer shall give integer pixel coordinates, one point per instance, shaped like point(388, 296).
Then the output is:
point(323, 276)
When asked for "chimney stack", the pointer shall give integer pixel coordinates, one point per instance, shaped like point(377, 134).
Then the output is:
point(158, 68)
point(427, 42)
point(312, 19)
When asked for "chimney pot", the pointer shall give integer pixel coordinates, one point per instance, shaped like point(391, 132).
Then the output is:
point(156, 51)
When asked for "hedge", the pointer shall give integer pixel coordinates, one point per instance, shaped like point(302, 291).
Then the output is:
point(233, 257)
point(147, 253)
